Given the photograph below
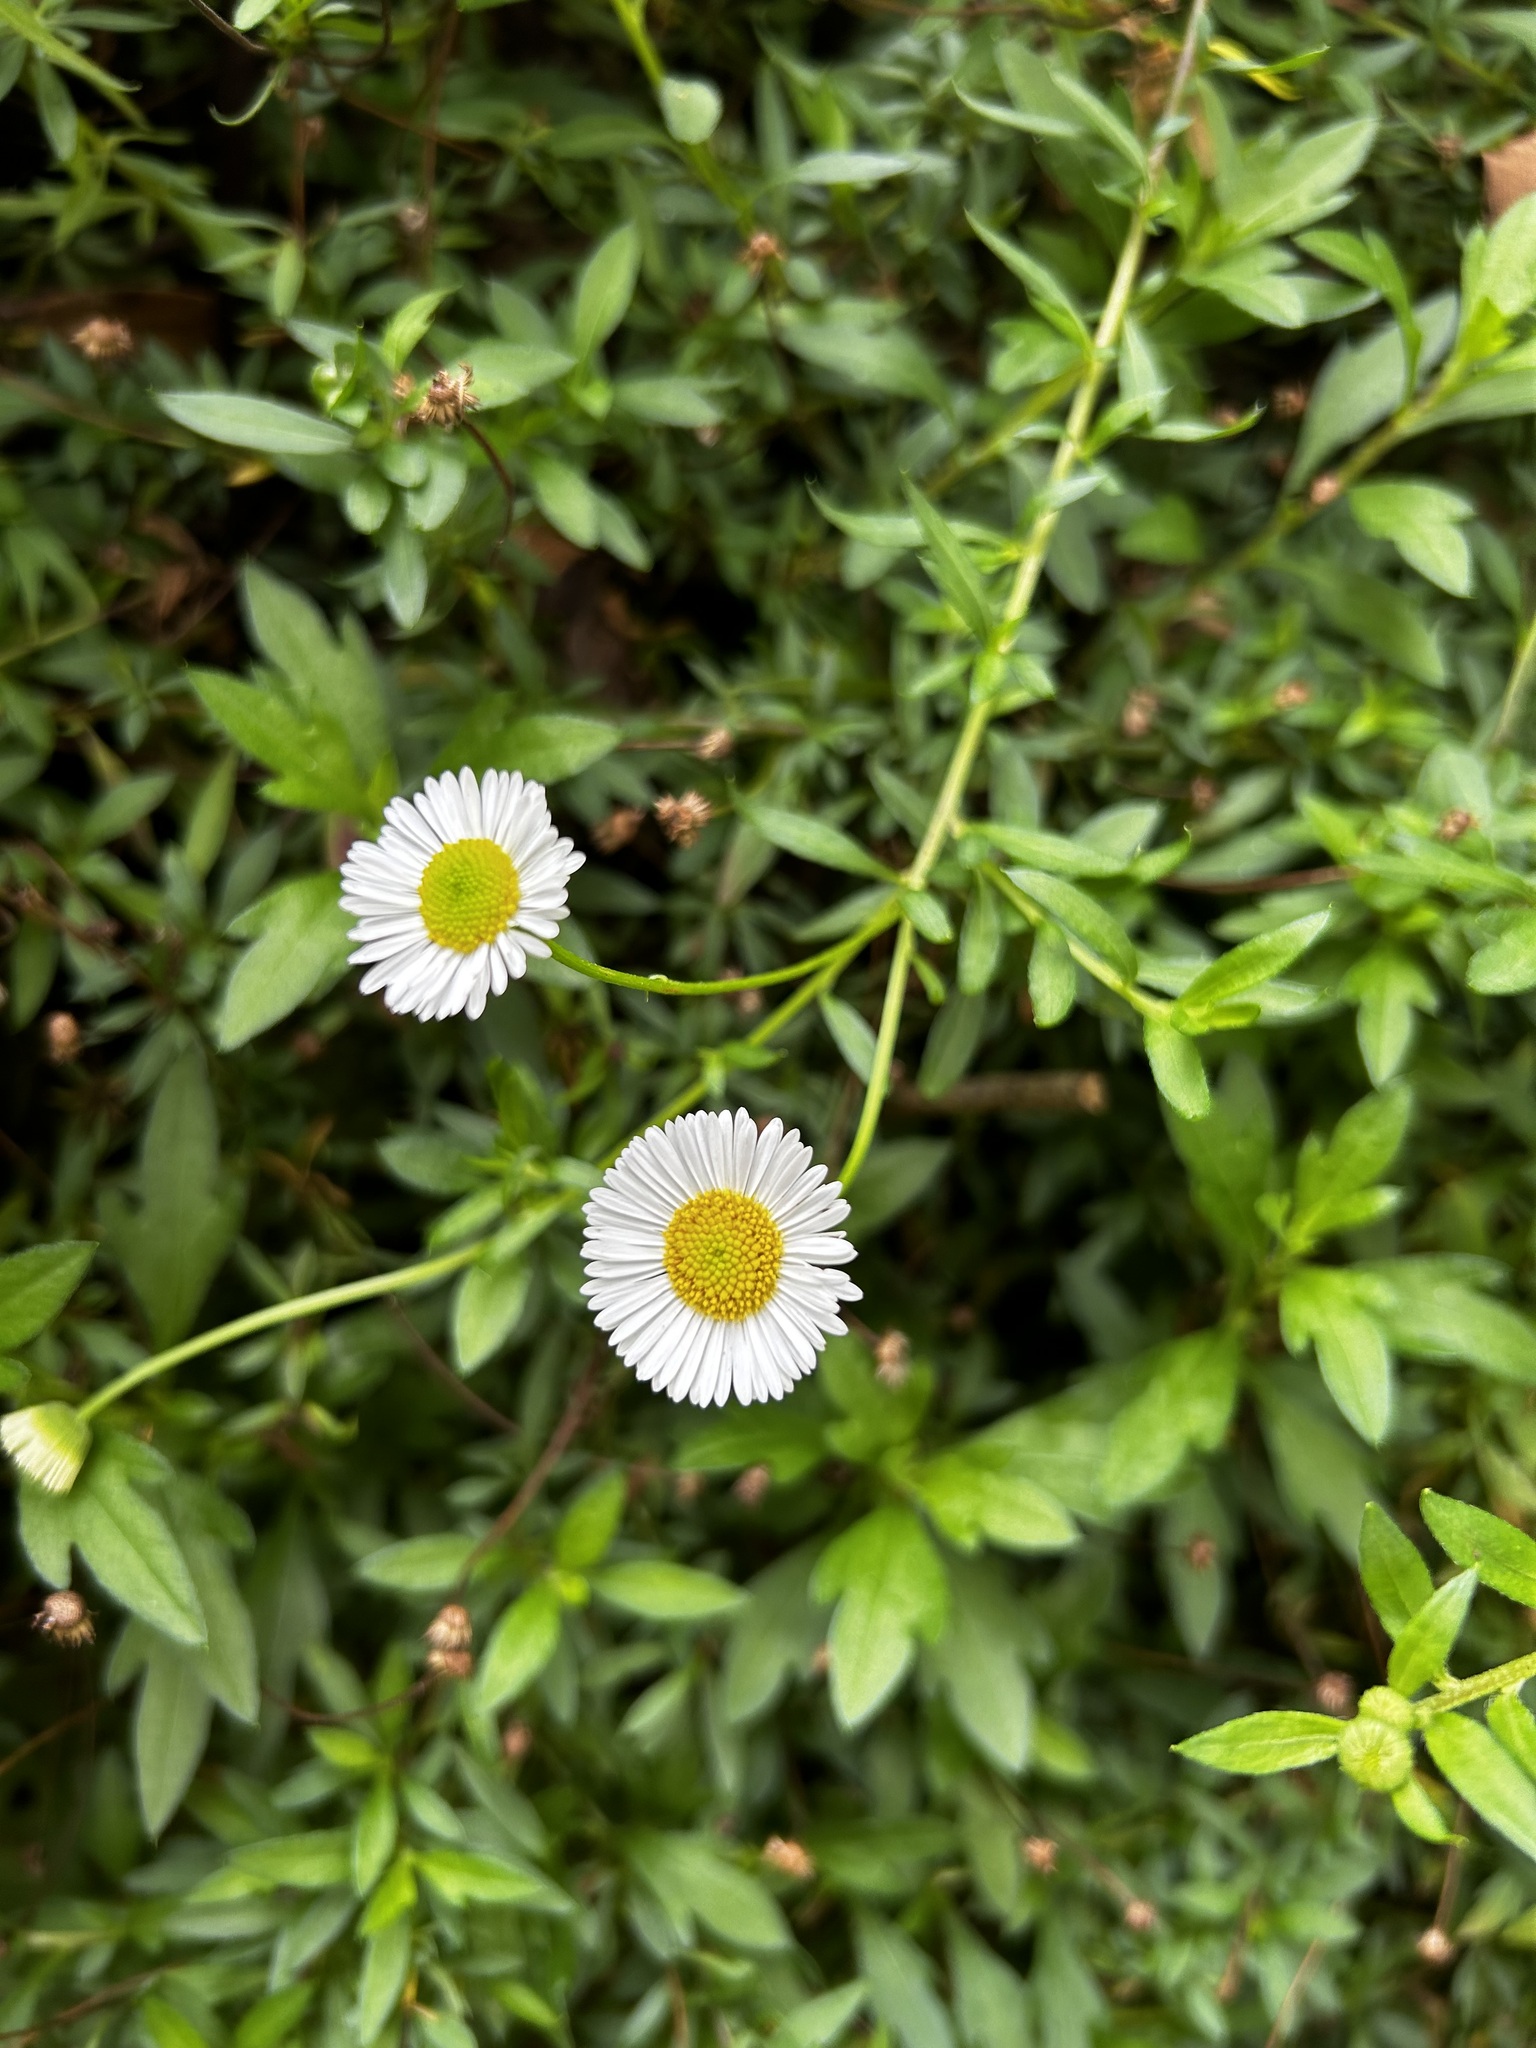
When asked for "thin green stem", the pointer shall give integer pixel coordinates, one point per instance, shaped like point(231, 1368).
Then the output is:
point(1461, 1692)
point(663, 985)
point(631, 17)
point(399, 1280)
point(1086, 958)
point(885, 1048)
point(1515, 691)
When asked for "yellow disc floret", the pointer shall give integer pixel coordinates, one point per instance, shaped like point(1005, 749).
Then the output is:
point(469, 894)
point(722, 1252)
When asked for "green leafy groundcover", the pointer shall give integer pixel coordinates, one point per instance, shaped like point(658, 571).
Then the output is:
point(1004, 532)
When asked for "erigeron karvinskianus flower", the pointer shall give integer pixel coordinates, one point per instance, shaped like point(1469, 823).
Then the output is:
point(712, 1253)
point(464, 884)
point(48, 1443)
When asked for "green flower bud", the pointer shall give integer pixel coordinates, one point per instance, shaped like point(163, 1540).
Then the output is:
point(1375, 1754)
point(1381, 1703)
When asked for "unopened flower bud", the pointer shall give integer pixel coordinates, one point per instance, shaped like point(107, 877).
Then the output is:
point(1140, 1916)
point(516, 1741)
point(1324, 489)
point(1201, 1553)
point(789, 1859)
point(450, 1663)
point(1454, 824)
point(1291, 696)
point(1040, 1854)
point(1375, 1754)
point(1334, 1692)
point(66, 1618)
point(1436, 1947)
point(1139, 715)
point(1289, 401)
point(447, 398)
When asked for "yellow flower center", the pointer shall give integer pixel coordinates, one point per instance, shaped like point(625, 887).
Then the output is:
point(722, 1252)
point(469, 894)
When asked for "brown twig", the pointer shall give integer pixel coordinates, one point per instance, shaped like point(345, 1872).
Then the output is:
point(435, 136)
point(1445, 1905)
point(503, 478)
point(36, 1742)
point(543, 1465)
point(442, 1370)
point(94, 2003)
point(991, 1094)
point(313, 1720)
point(227, 28)
point(1293, 1991)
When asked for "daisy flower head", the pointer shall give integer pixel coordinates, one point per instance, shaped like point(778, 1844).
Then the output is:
point(464, 884)
point(712, 1253)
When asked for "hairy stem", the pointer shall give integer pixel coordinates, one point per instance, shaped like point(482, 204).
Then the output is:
point(885, 1048)
point(663, 985)
point(1461, 1692)
point(1515, 691)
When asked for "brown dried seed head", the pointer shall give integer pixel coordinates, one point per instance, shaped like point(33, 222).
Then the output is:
point(1509, 171)
point(516, 1741)
point(893, 1358)
point(447, 398)
point(762, 248)
point(1334, 1692)
point(404, 384)
point(66, 1618)
point(1453, 824)
point(821, 1660)
point(450, 1628)
point(1140, 1916)
point(683, 817)
point(413, 217)
point(1040, 1853)
point(103, 341)
point(450, 1663)
point(1289, 401)
point(1325, 488)
point(751, 1489)
point(61, 1034)
point(1139, 715)
point(687, 1487)
point(1291, 696)
point(1435, 1946)
point(1204, 792)
point(1201, 1553)
point(715, 745)
point(618, 828)
point(789, 1859)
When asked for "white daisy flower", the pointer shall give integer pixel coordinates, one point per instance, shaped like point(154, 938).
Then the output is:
point(465, 882)
point(712, 1253)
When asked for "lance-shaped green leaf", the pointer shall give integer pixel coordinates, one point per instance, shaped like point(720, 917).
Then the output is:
point(1080, 915)
point(1515, 1726)
point(1395, 1577)
point(1478, 1766)
point(1260, 1743)
point(659, 1590)
point(301, 945)
point(604, 289)
point(811, 839)
point(1044, 287)
point(521, 1644)
point(1501, 1555)
point(1506, 966)
point(1177, 1068)
point(889, 1585)
point(1248, 966)
point(1417, 1811)
point(35, 1285)
point(262, 423)
point(956, 573)
point(1426, 1640)
point(1329, 1307)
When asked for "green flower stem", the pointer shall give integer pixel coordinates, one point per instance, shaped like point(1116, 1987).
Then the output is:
point(397, 1281)
point(1515, 692)
point(1461, 1692)
point(1026, 580)
point(631, 18)
point(663, 985)
point(885, 1047)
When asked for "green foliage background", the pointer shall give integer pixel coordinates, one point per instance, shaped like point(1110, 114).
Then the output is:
point(1202, 1192)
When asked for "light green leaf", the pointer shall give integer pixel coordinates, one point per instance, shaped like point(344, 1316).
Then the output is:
point(656, 1589)
point(170, 1729)
point(1177, 1069)
point(1079, 915)
point(301, 944)
point(954, 570)
point(1247, 966)
point(487, 1309)
point(417, 1564)
point(262, 423)
point(811, 839)
point(130, 1548)
point(1260, 1743)
point(691, 108)
point(1422, 521)
point(35, 1285)
point(1427, 1639)
point(518, 1647)
point(1395, 1576)
point(1501, 1555)
point(1477, 1766)
point(1330, 1307)
point(604, 289)
point(853, 1035)
point(590, 1523)
point(505, 371)
point(890, 1590)
point(1506, 966)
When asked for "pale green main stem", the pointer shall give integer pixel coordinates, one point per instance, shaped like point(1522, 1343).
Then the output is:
point(1461, 1692)
point(1026, 581)
point(1515, 691)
